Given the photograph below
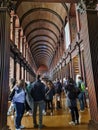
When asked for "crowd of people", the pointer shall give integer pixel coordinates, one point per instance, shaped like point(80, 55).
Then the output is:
point(26, 96)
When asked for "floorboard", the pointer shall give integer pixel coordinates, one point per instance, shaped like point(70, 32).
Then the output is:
point(59, 120)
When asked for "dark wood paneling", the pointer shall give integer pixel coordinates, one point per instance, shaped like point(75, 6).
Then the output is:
point(4, 66)
point(89, 35)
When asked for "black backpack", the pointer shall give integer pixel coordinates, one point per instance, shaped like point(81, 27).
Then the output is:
point(12, 94)
point(72, 92)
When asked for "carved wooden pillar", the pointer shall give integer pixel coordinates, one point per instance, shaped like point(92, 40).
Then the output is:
point(4, 66)
point(26, 73)
point(15, 67)
point(21, 44)
point(23, 72)
point(70, 65)
point(83, 67)
point(17, 33)
point(80, 58)
point(12, 26)
point(25, 47)
point(78, 20)
point(20, 70)
point(89, 23)
point(23, 38)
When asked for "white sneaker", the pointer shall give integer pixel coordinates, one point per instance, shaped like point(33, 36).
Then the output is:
point(81, 110)
point(71, 123)
point(22, 127)
point(27, 113)
point(12, 116)
point(30, 114)
point(51, 113)
point(76, 122)
point(44, 113)
point(8, 113)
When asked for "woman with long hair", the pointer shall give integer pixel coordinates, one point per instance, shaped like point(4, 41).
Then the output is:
point(19, 101)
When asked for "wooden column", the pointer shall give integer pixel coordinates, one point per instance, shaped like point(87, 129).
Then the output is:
point(12, 27)
point(89, 23)
point(83, 66)
point(4, 66)
point(80, 58)
point(77, 20)
point(15, 67)
point(20, 70)
point(17, 37)
point(24, 71)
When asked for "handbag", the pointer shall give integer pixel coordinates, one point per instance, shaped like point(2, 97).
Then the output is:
point(11, 95)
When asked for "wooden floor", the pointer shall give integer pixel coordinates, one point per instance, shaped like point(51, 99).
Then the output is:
point(59, 120)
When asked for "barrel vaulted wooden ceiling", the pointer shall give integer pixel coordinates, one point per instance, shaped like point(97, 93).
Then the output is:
point(42, 23)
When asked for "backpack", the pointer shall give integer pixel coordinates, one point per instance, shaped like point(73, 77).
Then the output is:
point(72, 94)
point(82, 86)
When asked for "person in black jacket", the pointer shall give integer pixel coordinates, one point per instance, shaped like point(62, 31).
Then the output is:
point(38, 95)
point(58, 91)
point(72, 95)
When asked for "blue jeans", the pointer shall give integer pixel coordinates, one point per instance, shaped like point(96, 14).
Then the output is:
point(19, 108)
point(37, 104)
point(81, 100)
